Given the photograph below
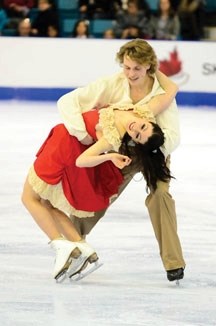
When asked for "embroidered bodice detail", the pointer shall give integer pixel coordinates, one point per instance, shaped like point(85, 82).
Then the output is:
point(107, 121)
point(144, 112)
point(107, 124)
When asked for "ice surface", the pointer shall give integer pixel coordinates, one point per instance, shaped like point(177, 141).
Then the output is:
point(131, 287)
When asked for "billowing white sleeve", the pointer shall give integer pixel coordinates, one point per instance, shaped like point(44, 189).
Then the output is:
point(73, 104)
point(169, 123)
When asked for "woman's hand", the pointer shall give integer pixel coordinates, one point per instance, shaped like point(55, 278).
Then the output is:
point(119, 160)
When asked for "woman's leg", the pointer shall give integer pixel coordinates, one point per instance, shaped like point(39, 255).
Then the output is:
point(45, 218)
point(54, 224)
point(51, 221)
point(32, 201)
point(63, 223)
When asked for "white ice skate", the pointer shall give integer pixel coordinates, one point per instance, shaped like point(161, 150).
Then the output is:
point(88, 255)
point(65, 252)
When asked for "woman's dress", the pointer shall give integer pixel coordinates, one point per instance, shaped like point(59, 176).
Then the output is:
point(73, 190)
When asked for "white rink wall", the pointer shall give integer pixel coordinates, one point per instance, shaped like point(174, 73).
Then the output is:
point(34, 65)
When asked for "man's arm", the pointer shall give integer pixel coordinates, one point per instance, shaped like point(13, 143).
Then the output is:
point(169, 123)
point(73, 104)
point(71, 114)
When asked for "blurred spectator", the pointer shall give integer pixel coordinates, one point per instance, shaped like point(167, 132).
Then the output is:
point(132, 32)
point(175, 4)
point(191, 15)
point(53, 31)
point(81, 29)
point(16, 10)
point(24, 28)
point(124, 4)
point(132, 17)
point(92, 9)
point(164, 25)
point(46, 21)
point(144, 5)
point(3, 18)
point(109, 34)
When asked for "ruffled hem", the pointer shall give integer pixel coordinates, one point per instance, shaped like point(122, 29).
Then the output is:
point(55, 195)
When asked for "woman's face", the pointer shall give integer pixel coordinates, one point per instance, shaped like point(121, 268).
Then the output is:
point(81, 28)
point(164, 5)
point(139, 129)
point(134, 72)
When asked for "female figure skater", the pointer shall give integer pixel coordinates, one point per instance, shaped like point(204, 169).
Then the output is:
point(66, 178)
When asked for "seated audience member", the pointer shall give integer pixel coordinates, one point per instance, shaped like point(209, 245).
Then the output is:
point(132, 32)
point(24, 28)
point(81, 29)
point(16, 10)
point(144, 5)
point(164, 25)
point(53, 31)
point(3, 18)
point(133, 16)
point(109, 34)
point(191, 15)
point(92, 9)
point(175, 4)
point(46, 20)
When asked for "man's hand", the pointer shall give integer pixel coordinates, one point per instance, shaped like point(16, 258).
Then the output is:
point(119, 160)
point(88, 140)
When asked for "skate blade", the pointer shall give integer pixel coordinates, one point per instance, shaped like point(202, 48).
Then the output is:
point(88, 271)
point(63, 273)
point(61, 277)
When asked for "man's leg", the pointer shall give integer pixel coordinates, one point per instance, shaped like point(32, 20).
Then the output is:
point(161, 207)
point(85, 225)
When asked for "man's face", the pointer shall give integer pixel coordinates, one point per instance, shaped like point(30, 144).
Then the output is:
point(135, 72)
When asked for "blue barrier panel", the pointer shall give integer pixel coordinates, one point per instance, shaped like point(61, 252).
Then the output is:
point(53, 94)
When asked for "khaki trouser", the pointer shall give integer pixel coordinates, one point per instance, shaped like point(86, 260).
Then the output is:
point(161, 208)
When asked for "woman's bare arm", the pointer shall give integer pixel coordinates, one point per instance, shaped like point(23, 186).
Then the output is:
point(97, 154)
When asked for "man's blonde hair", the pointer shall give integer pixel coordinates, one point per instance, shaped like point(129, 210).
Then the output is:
point(140, 51)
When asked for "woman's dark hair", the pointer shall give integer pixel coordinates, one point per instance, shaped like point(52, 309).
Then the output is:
point(171, 11)
point(74, 31)
point(149, 157)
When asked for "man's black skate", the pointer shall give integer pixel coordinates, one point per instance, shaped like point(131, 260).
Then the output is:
point(175, 274)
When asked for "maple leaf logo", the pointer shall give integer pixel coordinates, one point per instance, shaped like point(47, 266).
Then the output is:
point(172, 66)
